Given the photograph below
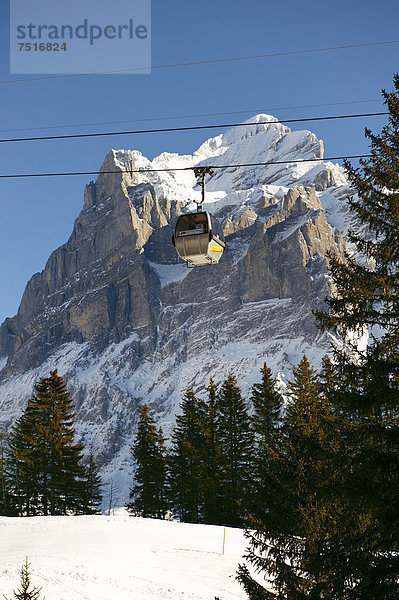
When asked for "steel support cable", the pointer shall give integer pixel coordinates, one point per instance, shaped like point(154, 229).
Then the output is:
point(188, 128)
point(203, 62)
point(252, 111)
point(176, 169)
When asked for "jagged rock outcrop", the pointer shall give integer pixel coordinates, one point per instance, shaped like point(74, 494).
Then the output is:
point(97, 284)
point(123, 318)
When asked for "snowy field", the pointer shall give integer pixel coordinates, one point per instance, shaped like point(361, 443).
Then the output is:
point(120, 558)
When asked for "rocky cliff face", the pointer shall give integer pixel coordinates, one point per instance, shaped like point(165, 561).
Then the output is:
point(124, 320)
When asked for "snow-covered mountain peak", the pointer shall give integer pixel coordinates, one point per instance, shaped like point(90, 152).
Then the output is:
point(261, 153)
point(254, 126)
point(258, 137)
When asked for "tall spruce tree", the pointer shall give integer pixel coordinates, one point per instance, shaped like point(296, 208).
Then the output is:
point(92, 487)
point(366, 300)
point(186, 460)
point(45, 462)
point(285, 539)
point(21, 465)
point(147, 497)
point(6, 499)
point(162, 474)
point(58, 457)
point(212, 459)
point(235, 438)
point(267, 404)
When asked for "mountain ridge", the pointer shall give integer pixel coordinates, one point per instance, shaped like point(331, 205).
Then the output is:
point(125, 321)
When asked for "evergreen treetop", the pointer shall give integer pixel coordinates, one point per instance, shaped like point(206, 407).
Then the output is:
point(92, 486)
point(147, 496)
point(267, 403)
point(212, 459)
point(235, 438)
point(44, 461)
point(186, 459)
point(367, 291)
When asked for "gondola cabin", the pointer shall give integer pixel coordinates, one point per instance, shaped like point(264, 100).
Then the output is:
point(199, 239)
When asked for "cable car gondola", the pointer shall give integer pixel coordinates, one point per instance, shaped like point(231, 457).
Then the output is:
point(198, 237)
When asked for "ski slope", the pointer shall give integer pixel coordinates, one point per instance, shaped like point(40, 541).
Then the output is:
point(120, 557)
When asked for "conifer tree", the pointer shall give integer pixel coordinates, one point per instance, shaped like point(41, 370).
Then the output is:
point(58, 457)
point(267, 404)
point(161, 474)
point(348, 546)
point(235, 438)
point(5, 493)
point(285, 540)
point(92, 485)
point(6, 498)
point(148, 495)
point(366, 300)
point(45, 461)
point(212, 459)
point(21, 465)
point(186, 458)
point(26, 592)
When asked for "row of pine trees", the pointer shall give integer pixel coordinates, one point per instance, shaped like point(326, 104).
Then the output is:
point(42, 469)
point(225, 462)
point(207, 474)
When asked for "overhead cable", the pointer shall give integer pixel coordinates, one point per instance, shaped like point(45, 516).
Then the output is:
point(170, 118)
point(175, 169)
point(188, 128)
point(201, 62)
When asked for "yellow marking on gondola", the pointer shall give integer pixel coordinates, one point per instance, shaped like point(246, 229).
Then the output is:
point(216, 249)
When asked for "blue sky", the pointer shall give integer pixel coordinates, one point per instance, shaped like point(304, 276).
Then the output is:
point(37, 215)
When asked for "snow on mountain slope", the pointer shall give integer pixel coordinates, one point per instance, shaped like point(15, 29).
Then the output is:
point(120, 558)
point(261, 143)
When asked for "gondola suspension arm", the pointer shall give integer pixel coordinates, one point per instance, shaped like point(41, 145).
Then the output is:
point(200, 173)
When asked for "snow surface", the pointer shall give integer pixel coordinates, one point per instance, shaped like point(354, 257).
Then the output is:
point(333, 201)
point(120, 557)
point(170, 273)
